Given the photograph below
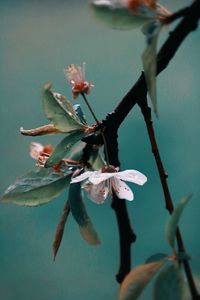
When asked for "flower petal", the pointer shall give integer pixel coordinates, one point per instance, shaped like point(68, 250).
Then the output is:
point(81, 177)
point(35, 149)
point(98, 177)
point(132, 176)
point(96, 192)
point(121, 189)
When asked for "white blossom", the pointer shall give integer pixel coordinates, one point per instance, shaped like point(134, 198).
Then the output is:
point(100, 184)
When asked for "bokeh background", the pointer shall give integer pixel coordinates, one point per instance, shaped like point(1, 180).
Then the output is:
point(38, 39)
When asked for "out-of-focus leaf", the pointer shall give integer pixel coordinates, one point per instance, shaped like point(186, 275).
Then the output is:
point(169, 284)
point(96, 160)
point(136, 281)
point(117, 15)
point(60, 111)
point(76, 151)
point(80, 214)
point(43, 130)
point(151, 31)
point(156, 257)
point(172, 223)
point(60, 229)
point(80, 113)
point(93, 156)
point(63, 148)
point(36, 187)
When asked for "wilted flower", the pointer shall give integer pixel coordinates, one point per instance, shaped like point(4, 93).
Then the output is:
point(102, 183)
point(75, 74)
point(41, 153)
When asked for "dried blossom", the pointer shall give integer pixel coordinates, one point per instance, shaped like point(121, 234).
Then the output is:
point(75, 74)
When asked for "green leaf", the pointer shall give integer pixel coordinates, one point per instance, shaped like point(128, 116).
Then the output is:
point(96, 160)
point(77, 108)
point(172, 223)
point(36, 187)
point(63, 148)
point(76, 151)
point(60, 111)
point(80, 214)
point(151, 31)
point(156, 257)
point(136, 281)
point(169, 284)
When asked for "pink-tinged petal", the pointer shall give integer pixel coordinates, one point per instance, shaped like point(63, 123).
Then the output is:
point(97, 193)
point(121, 189)
point(82, 68)
point(98, 177)
point(132, 176)
point(35, 150)
point(81, 177)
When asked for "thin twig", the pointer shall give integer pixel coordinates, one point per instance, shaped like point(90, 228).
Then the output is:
point(146, 111)
point(98, 123)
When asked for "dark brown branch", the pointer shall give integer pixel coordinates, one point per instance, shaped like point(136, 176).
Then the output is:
point(126, 236)
point(126, 233)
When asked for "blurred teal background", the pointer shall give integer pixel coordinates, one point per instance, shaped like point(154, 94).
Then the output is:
point(38, 39)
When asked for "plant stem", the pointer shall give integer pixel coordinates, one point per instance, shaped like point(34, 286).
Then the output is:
point(168, 200)
point(98, 123)
point(90, 108)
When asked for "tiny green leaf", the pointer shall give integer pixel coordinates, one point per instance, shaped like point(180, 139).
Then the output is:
point(136, 281)
point(36, 187)
point(63, 148)
point(80, 214)
point(172, 223)
point(169, 284)
point(151, 31)
point(182, 256)
point(96, 160)
point(77, 108)
point(76, 151)
point(60, 111)
point(156, 257)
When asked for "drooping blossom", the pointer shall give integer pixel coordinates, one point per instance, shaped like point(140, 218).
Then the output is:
point(75, 74)
point(128, 14)
point(41, 153)
point(102, 183)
